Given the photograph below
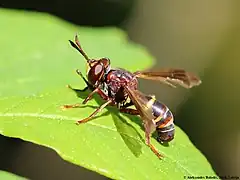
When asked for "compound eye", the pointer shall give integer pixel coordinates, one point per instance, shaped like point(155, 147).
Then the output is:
point(105, 62)
point(95, 73)
point(98, 69)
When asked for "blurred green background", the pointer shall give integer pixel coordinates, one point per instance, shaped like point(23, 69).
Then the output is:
point(200, 36)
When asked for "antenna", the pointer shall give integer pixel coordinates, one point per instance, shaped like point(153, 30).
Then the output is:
point(78, 47)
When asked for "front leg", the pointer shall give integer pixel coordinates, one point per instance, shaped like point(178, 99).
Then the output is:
point(94, 90)
point(94, 113)
point(90, 96)
point(85, 80)
point(78, 90)
point(68, 106)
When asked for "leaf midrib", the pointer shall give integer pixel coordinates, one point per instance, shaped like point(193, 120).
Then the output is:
point(60, 117)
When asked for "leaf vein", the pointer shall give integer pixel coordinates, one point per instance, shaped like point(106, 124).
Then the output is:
point(61, 117)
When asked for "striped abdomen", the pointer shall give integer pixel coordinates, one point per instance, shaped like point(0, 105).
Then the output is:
point(164, 122)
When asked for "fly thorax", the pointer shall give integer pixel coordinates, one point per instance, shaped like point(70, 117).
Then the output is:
point(104, 88)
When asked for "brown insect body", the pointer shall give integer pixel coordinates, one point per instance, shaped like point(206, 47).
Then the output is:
point(117, 85)
point(116, 80)
point(163, 120)
point(110, 82)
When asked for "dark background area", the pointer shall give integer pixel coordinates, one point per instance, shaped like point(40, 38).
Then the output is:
point(200, 36)
point(88, 13)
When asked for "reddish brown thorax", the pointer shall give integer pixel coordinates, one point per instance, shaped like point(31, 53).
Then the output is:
point(116, 80)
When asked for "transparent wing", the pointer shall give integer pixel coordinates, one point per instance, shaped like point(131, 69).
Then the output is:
point(144, 106)
point(171, 77)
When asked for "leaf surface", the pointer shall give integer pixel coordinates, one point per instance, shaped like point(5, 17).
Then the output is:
point(36, 64)
point(9, 176)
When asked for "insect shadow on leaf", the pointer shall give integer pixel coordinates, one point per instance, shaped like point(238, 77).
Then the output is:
point(128, 132)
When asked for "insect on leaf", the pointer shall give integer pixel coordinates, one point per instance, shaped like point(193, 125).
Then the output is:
point(37, 63)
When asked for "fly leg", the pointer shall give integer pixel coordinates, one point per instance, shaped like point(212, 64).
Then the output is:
point(98, 91)
point(99, 109)
point(89, 86)
point(124, 109)
point(94, 90)
point(68, 106)
point(153, 148)
point(85, 80)
point(77, 90)
point(129, 111)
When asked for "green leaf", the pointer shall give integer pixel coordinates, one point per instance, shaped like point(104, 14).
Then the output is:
point(36, 64)
point(9, 176)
